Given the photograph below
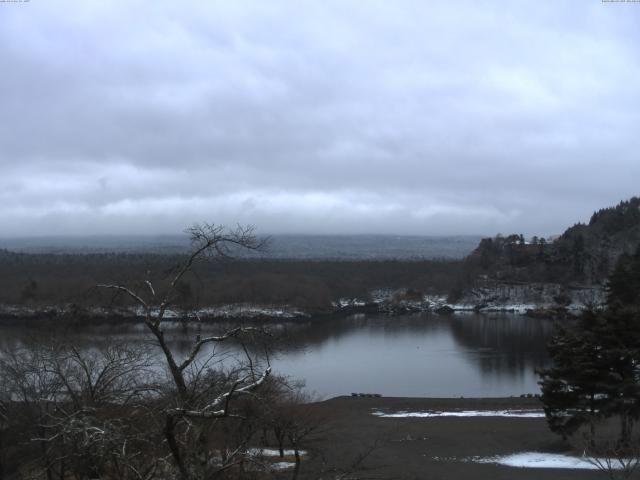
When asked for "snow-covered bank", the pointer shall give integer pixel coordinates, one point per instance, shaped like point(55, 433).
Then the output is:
point(490, 295)
point(395, 304)
point(238, 311)
point(542, 300)
point(536, 299)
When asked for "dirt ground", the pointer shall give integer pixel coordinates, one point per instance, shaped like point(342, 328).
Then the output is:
point(429, 448)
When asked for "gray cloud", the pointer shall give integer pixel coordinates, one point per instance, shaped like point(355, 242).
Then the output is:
point(384, 117)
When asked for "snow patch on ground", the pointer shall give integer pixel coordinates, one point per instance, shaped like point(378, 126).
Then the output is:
point(499, 307)
point(539, 460)
point(458, 307)
point(282, 466)
point(510, 307)
point(349, 303)
point(543, 460)
point(463, 413)
point(382, 295)
point(272, 459)
point(252, 311)
point(273, 452)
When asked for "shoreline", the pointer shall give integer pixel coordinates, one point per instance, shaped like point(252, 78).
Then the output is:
point(255, 313)
point(439, 403)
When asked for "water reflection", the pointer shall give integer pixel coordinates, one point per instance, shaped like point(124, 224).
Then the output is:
point(412, 355)
point(503, 344)
point(421, 355)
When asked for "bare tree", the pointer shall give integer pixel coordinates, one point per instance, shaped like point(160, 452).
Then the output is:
point(111, 375)
point(95, 430)
point(287, 413)
point(75, 408)
point(193, 402)
point(29, 385)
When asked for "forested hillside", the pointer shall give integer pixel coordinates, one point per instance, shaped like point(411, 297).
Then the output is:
point(584, 253)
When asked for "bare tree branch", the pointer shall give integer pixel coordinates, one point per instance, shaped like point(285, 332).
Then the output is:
point(128, 291)
point(216, 339)
point(209, 412)
point(150, 285)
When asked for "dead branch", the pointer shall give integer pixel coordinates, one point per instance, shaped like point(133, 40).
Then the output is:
point(127, 291)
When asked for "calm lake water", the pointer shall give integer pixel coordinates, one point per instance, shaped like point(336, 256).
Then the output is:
point(417, 355)
point(422, 355)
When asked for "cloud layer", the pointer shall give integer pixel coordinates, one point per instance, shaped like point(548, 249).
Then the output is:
point(316, 117)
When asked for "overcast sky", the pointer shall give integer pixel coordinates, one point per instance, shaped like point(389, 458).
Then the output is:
point(425, 117)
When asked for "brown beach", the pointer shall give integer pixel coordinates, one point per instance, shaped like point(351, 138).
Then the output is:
point(433, 448)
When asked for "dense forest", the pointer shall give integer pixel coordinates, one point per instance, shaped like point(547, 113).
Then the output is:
point(49, 279)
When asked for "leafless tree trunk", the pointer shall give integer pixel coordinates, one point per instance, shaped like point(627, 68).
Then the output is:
point(207, 241)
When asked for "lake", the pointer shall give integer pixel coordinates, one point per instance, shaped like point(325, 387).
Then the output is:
point(418, 355)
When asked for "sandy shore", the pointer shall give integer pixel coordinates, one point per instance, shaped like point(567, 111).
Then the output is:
point(431, 448)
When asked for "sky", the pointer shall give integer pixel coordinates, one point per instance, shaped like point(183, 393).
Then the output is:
point(403, 117)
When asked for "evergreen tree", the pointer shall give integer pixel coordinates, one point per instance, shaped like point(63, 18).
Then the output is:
point(578, 254)
point(618, 339)
point(596, 362)
point(573, 389)
point(623, 292)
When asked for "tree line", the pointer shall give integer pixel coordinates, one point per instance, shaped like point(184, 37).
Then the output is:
point(45, 280)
